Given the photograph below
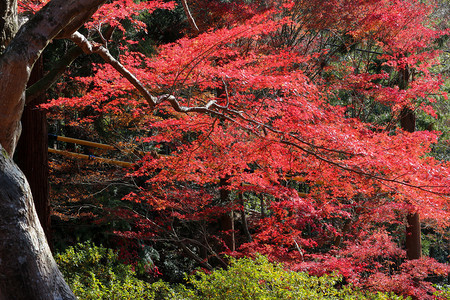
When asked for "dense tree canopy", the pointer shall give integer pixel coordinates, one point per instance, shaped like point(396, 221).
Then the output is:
point(296, 129)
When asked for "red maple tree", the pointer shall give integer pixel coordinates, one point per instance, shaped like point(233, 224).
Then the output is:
point(280, 132)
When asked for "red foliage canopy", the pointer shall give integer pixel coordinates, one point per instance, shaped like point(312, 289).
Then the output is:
point(283, 110)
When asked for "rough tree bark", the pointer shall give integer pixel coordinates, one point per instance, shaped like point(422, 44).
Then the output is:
point(27, 269)
point(58, 19)
point(8, 22)
point(32, 155)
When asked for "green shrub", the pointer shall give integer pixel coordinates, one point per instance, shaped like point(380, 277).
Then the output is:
point(443, 292)
point(260, 279)
point(95, 273)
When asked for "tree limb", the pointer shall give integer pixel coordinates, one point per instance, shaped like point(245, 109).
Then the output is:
point(51, 77)
point(39, 88)
point(22, 52)
point(90, 48)
point(189, 15)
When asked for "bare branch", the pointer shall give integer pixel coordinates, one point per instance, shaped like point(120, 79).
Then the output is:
point(61, 66)
point(51, 77)
point(89, 48)
point(22, 52)
point(188, 15)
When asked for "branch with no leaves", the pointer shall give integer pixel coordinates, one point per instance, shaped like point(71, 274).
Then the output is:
point(90, 48)
point(189, 15)
point(58, 69)
point(40, 87)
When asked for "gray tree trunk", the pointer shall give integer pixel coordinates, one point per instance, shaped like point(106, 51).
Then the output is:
point(27, 268)
point(8, 22)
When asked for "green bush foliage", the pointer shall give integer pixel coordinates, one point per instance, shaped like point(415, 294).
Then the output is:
point(443, 292)
point(96, 273)
point(260, 279)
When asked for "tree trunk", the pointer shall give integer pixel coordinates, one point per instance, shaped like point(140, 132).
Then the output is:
point(413, 239)
point(8, 22)
point(28, 270)
point(244, 219)
point(58, 19)
point(413, 235)
point(32, 154)
point(226, 221)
